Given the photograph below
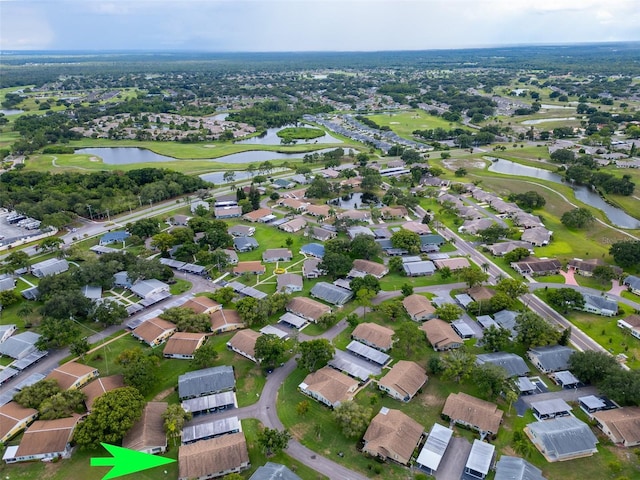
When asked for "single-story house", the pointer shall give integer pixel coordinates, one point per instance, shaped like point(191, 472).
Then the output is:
point(149, 288)
point(73, 375)
point(394, 212)
point(366, 267)
point(154, 331)
point(481, 293)
point(374, 335)
point(419, 269)
point(258, 215)
point(621, 425)
point(121, 279)
point(200, 203)
point(233, 211)
point(513, 364)
point(453, 264)
point(113, 237)
point(44, 440)
point(473, 412)
point(13, 419)
point(537, 236)
point(310, 268)
point(179, 220)
point(526, 220)
point(20, 345)
point(241, 231)
point(277, 255)
point(516, 468)
point(225, 321)
point(551, 408)
point(147, 435)
point(550, 358)
point(283, 183)
point(329, 386)
point(416, 227)
point(294, 225)
point(418, 307)
point(600, 305)
point(537, 266)
point(472, 227)
point(201, 305)
point(232, 256)
point(313, 249)
point(307, 308)
point(93, 293)
point(321, 211)
point(632, 324)
point(480, 459)
point(440, 335)
point(322, 234)
point(245, 244)
point(633, 283)
point(273, 471)
point(563, 438)
point(7, 282)
point(244, 343)
point(183, 345)
point(586, 267)
point(392, 435)
point(53, 266)
point(434, 448)
point(100, 386)
point(213, 458)
point(206, 381)
point(331, 293)
point(404, 380)
point(254, 267)
point(357, 215)
point(502, 248)
point(353, 232)
point(293, 204)
point(289, 282)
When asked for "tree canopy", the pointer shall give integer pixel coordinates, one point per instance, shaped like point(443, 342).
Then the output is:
point(315, 354)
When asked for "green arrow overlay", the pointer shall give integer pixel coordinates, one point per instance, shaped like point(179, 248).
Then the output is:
point(125, 461)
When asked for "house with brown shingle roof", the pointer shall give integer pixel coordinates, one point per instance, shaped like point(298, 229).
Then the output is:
point(244, 343)
point(404, 380)
point(44, 439)
point(307, 308)
point(329, 386)
point(537, 266)
point(99, 387)
point(374, 335)
point(225, 321)
point(418, 307)
point(147, 435)
point(294, 225)
point(586, 267)
point(392, 435)
point(277, 255)
point(366, 267)
point(183, 345)
point(417, 227)
point(621, 425)
point(293, 204)
point(254, 267)
point(456, 263)
point(481, 293)
point(154, 331)
point(257, 215)
point(201, 305)
point(73, 375)
point(441, 335)
point(318, 210)
point(322, 234)
point(473, 412)
point(393, 212)
point(13, 419)
point(213, 458)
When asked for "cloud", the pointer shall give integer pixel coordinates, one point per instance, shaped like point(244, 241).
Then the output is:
point(24, 28)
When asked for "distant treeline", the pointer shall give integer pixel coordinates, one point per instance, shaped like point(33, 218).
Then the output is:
point(276, 114)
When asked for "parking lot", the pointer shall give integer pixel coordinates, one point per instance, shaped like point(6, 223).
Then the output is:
point(9, 233)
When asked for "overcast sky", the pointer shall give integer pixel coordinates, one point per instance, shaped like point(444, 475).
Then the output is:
point(304, 25)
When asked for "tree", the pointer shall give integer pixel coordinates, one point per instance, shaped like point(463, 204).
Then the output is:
point(460, 172)
point(495, 339)
point(577, 218)
point(493, 233)
point(626, 253)
point(174, 418)
point(187, 320)
point(302, 408)
point(315, 354)
point(604, 274)
point(205, 356)
point(396, 264)
point(365, 246)
point(319, 188)
point(517, 254)
point(529, 200)
point(144, 228)
point(448, 312)
point(368, 282)
point(16, 260)
point(562, 155)
point(112, 416)
point(336, 264)
point(33, 395)
point(223, 295)
point(391, 310)
point(62, 405)
point(109, 313)
point(79, 347)
point(405, 337)
point(57, 332)
point(406, 240)
point(445, 272)
point(229, 176)
point(163, 241)
point(592, 366)
point(363, 298)
point(534, 331)
point(50, 244)
point(565, 299)
point(512, 288)
point(352, 418)
point(622, 386)
point(472, 276)
point(491, 379)
point(458, 365)
point(140, 369)
point(278, 302)
point(253, 312)
point(65, 304)
point(406, 289)
point(273, 441)
point(269, 350)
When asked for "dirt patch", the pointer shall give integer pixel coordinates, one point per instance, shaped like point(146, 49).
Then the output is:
point(509, 451)
point(429, 400)
point(162, 395)
point(95, 159)
point(299, 430)
point(209, 146)
point(455, 163)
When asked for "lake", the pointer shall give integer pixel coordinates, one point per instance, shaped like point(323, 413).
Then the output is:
point(130, 155)
point(353, 202)
point(545, 120)
point(271, 138)
point(616, 216)
point(218, 177)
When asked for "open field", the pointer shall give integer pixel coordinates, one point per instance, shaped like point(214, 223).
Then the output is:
point(406, 122)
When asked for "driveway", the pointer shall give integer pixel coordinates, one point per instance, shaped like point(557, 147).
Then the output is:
point(454, 460)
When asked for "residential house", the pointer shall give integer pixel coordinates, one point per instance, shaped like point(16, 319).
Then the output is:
point(551, 408)
point(310, 268)
point(244, 343)
point(283, 183)
point(331, 293)
point(374, 335)
point(180, 220)
point(245, 244)
point(537, 266)
point(301, 179)
point(149, 288)
point(93, 293)
point(586, 267)
point(225, 321)
point(293, 204)
point(621, 425)
point(233, 211)
point(600, 305)
point(121, 279)
point(479, 460)
point(418, 307)
point(353, 232)
point(197, 204)
point(353, 182)
point(516, 468)
point(440, 335)
point(254, 267)
point(154, 331)
point(241, 231)
point(307, 308)
point(313, 250)
point(392, 435)
point(273, 471)
point(99, 387)
point(563, 438)
point(7, 282)
point(44, 440)
point(416, 227)
point(434, 449)
point(366, 267)
point(550, 358)
point(469, 213)
point(538, 236)
point(52, 266)
point(403, 381)
point(322, 234)
point(329, 386)
point(289, 283)
point(293, 226)
point(481, 293)
point(419, 269)
point(526, 220)
point(232, 256)
point(20, 345)
point(277, 255)
point(73, 375)
point(632, 324)
point(633, 283)
point(258, 215)
point(513, 364)
point(357, 215)
point(329, 173)
point(502, 248)
point(183, 345)
point(321, 211)
point(472, 227)
point(113, 237)
point(213, 458)
point(148, 435)
point(13, 419)
point(206, 381)
point(477, 414)
point(453, 264)
point(201, 305)
point(393, 212)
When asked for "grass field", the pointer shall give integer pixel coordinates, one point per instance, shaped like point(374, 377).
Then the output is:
point(405, 123)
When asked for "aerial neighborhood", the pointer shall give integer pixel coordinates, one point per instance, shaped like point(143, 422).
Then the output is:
point(394, 270)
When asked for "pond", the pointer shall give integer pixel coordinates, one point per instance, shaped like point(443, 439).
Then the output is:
point(616, 216)
point(559, 107)
point(353, 201)
point(271, 137)
point(11, 111)
point(218, 177)
point(545, 120)
point(221, 117)
point(130, 155)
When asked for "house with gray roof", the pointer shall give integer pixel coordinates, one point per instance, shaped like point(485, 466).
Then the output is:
point(212, 429)
point(273, 471)
point(633, 283)
point(419, 269)
point(53, 266)
point(507, 320)
point(600, 305)
point(7, 282)
point(331, 293)
point(353, 232)
point(563, 438)
point(121, 279)
point(502, 248)
point(513, 364)
point(20, 345)
point(241, 231)
point(313, 249)
point(114, 237)
point(149, 288)
point(538, 236)
point(550, 358)
point(245, 244)
point(206, 381)
point(516, 468)
point(322, 234)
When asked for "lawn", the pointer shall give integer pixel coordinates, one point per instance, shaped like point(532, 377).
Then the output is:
point(592, 283)
point(395, 281)
point(180, 286)
point(405, 123)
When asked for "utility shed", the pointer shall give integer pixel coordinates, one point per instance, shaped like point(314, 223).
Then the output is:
point(206, 381)
point(368, 353)
point(516, 468)
point(513, 364)
point(562, 438)
point(434, 448)
point(212, 429)
point(480, 459)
